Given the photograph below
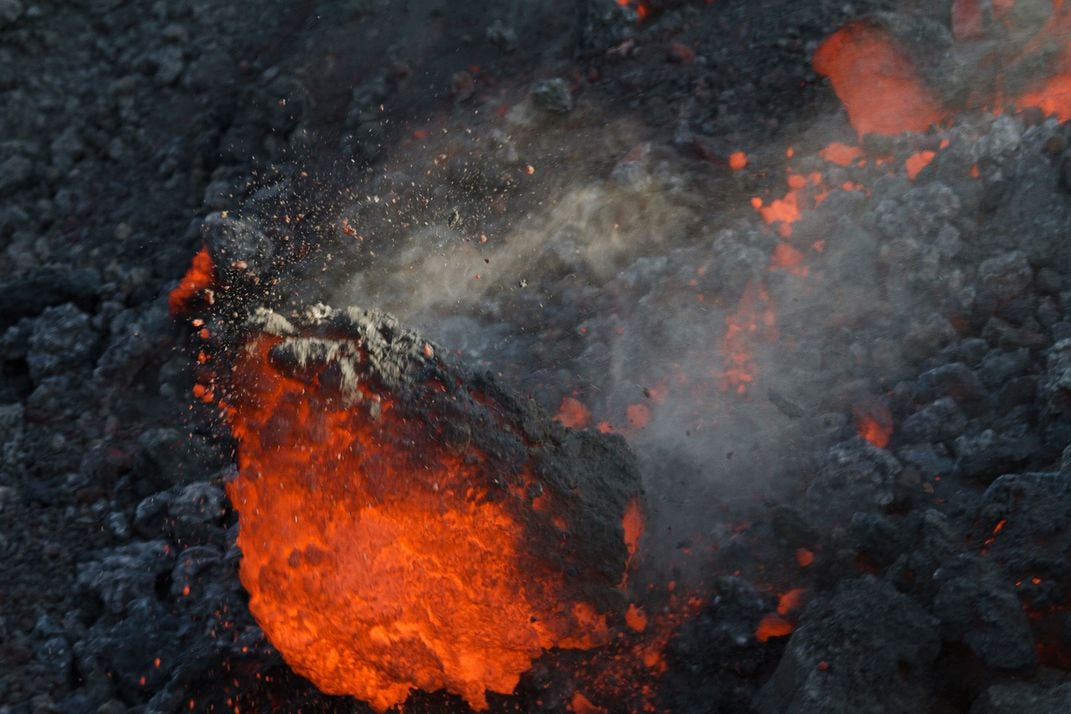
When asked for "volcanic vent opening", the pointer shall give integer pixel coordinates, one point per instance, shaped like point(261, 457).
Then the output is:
point(407, 526)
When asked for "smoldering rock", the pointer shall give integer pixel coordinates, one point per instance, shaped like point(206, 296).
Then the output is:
point(1035, 537)
point(877, 646)
point(853, 476)
point(196, 568)
point(128, 647)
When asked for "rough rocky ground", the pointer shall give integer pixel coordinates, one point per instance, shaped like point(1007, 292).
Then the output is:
point(125, 128)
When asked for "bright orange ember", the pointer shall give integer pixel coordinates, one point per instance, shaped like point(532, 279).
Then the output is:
point(877, 82)
point(573, 414)
point(377, 562)
point(873, 422)
point(917, 162)
point(199, 277)
point(841, 154)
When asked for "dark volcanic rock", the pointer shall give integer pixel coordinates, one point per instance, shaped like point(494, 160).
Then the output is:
point(1006, 276)
point(1017, 697)
point(553, 95)
point(1035, 538)
point(30, 293)
point(854, 476)
point(62, 339)
point(863, 648)
point(940, 421)
point(126, 573)
point(979, 607)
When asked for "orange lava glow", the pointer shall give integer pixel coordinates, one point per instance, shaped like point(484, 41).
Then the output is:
point(780, 623)
point(579, 704)
point(639, 415)
point(873, 422)
point(917, 162)
point(379, 561)
point(633, 523)
point(788, 259)
point(773, 625)
point(198, 278)
point(791, 601)
point(737, 160)
point(573, 414)
point(877, 82)
point(841, 154)
point(754, 319)
point(967, 21)
point(635, 618)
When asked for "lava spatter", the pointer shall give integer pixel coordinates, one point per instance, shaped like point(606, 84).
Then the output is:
point(877, 82)
point(198, 278)
point(406, 526)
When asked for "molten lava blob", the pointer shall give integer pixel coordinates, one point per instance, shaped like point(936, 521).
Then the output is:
point(877, 82)
point(198, 278)
point(405, 525)
point(873, 421)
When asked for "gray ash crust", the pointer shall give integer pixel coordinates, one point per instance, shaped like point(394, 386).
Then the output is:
point(358, 358)
point(107, 471)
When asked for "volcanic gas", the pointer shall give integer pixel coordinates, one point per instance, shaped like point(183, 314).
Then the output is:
point(407, 526)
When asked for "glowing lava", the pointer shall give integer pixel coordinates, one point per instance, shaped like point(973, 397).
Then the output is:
point(197, 279)
point(876, 82)
point(396, 532)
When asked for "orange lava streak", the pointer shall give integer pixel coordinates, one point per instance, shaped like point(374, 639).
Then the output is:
point(199, 277)
point(634, 522)
point(876, 82)
point(917, 162)
point(376, 569)
point(753, 319)
point(773, 625)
